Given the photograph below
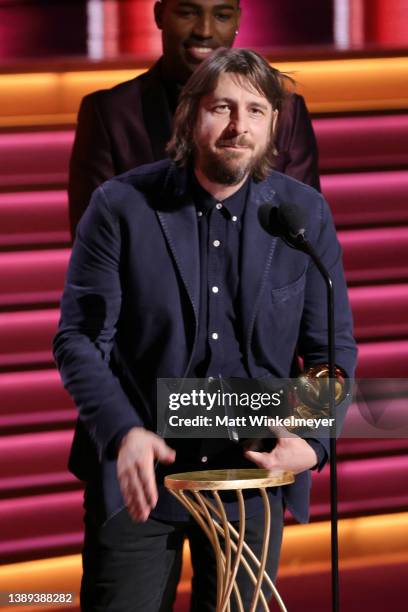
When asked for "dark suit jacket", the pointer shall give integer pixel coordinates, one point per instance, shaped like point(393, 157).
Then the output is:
point(129, 311)
point(130, 124)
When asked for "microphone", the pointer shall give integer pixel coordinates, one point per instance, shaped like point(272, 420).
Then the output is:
point(288, 222)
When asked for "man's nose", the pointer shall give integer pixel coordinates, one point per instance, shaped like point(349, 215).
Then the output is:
point(238, 122)
point(203, 27)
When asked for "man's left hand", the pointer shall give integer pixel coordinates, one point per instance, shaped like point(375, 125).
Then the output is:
point(290, 454)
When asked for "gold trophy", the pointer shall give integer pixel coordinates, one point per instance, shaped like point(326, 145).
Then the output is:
point(311, 392)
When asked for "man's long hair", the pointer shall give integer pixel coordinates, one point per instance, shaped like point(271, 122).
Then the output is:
point(244, 65)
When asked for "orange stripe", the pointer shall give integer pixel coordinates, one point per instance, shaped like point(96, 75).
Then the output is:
point(328, 85)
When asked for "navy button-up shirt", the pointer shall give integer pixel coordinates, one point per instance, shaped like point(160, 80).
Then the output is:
point(218, 351)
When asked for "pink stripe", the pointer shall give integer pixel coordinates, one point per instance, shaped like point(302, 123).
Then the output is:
point(364, 484)
point(353, 142)
point(26, 337)
point(383, 359)
point(367, 198)
point(375, 254)
point(38, 217)
point(24, 393)
point(344, 142)
point(369, 255)
point(34, 158)
point(41, 515)
point(380, 311)
point(34, 454)
point(33, 276)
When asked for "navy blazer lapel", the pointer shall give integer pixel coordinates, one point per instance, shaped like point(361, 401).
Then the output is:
point(257, 252)
point(178, 219)
point(156, 112)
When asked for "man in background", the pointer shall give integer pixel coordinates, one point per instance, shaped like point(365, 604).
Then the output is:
point(130, 124)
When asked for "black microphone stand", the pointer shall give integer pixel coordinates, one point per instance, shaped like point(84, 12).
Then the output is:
point(305, 246)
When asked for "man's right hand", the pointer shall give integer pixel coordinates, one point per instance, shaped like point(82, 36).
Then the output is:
point(137, 453)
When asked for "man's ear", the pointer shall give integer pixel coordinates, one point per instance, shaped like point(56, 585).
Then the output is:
point(158, 14)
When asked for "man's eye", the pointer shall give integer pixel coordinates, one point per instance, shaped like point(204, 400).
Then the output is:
point(223, 16)
point(256, 111)
point(185, 13)
point(221, 108)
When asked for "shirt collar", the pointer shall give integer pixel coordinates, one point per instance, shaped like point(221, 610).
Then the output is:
point(234, 205)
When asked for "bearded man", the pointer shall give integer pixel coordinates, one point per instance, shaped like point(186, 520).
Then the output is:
point(171, 276)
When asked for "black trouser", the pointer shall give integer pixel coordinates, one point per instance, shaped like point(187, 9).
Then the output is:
point(135, 567)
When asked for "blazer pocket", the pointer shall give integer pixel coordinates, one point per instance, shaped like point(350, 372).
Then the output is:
point(282, 294)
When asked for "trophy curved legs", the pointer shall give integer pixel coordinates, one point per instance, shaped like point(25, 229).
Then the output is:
point(203, 511)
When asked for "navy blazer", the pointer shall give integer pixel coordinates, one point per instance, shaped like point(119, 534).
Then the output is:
point(130, 124)
point(129, 311)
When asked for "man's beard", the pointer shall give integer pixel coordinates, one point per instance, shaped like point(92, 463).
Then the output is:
point(225, 167)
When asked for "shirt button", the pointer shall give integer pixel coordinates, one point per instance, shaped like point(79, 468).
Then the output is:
point(204, 459)
point(214, 289)
point(199, 213)
point(216, 243)
point(218, 206)
point(214, 336)
point(234, 218)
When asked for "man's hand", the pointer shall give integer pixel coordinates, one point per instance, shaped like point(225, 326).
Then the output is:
point(135, 468)
point(293, 454)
